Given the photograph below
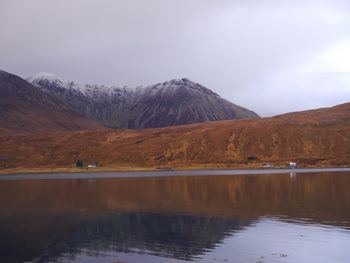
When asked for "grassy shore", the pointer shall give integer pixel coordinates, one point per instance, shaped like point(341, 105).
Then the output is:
point(34, 170)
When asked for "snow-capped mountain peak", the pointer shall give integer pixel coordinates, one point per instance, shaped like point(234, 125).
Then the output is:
point(175, 84)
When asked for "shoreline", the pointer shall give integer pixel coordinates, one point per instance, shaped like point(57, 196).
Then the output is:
point(155, 168)
point(161, 173)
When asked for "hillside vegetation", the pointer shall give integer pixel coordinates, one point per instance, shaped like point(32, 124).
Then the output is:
point(312, 138)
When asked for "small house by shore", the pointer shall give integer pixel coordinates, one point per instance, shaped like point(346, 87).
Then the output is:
point(292, 164)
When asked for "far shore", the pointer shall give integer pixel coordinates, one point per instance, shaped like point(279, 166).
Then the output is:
point(134, 172)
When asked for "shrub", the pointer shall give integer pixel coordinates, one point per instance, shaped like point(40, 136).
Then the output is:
point(252, 158)
point(79, 163)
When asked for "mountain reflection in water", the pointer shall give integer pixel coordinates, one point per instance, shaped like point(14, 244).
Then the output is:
point(179, 217)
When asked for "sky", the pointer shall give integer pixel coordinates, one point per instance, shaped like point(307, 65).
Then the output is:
point(271, 56)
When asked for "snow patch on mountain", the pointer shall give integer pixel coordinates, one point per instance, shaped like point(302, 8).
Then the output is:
point(99, 91)
point(43, 77)
point(92, 91)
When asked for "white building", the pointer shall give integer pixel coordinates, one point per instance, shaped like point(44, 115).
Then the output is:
point(293, 164)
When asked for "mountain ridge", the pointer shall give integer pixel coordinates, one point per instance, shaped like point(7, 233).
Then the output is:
point(174, 102)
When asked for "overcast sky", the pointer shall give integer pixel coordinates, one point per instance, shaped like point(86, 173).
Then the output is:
point(271, 56)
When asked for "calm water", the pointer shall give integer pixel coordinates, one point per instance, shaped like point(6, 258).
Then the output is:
point(240, 218)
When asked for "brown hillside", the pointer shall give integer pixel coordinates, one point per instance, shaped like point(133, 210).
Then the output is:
point(318, 137)
point(25, 108)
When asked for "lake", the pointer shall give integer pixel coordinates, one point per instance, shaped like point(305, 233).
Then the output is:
point(282, 217)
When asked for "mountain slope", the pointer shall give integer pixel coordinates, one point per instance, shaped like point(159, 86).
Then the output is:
point(165, 104)
point(319, 137)
point(26, 108)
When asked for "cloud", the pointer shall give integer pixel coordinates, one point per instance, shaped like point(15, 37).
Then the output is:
point(255, 53)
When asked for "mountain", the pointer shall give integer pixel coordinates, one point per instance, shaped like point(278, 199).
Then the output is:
point(169, 103)
point(311, 138)
point(182, 102)
point(25, 108)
